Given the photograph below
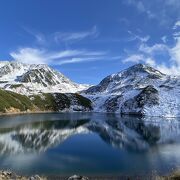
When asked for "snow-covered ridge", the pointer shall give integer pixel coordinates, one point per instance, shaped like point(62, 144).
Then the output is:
point(140, 90)
point(35, 78)
point(137, 76)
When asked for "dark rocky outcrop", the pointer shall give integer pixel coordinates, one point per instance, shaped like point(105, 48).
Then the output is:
point(147, 97)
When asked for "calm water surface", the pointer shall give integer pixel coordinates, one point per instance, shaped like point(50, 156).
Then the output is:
point(88, 144)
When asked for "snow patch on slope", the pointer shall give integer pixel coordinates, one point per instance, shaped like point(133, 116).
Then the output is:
point(33, 79)
point(139, 89)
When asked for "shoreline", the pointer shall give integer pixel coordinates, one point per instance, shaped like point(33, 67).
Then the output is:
point(26, 112)
point(49, 112)
point(9, 175)
point(41, 112)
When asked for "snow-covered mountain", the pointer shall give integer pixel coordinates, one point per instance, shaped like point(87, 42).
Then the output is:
point(32, 79)
point(139, 89)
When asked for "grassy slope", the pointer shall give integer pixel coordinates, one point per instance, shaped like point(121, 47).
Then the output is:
point(10, 99)
point(45, 102)
point(83, 101)
point(58, 101)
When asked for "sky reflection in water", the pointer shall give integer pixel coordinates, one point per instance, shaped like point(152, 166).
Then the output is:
point(88, 143)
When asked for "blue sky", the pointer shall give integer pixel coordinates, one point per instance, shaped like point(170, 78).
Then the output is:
point(90, 39)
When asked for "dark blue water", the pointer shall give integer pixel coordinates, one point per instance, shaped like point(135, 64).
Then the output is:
point(88, 144)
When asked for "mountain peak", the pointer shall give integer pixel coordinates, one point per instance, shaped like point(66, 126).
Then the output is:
point(134, 77)
point(139, 65)
point(35, 78)
point(144, 68)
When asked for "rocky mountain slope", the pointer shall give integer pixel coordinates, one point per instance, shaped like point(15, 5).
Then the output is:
point(11, 102)
point(140, 90)
point(33, 79)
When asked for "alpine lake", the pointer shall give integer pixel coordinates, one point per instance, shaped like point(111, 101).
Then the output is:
point(89, 144)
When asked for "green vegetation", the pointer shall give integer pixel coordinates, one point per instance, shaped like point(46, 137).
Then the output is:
point(52, 102)
point(13, 102)
point(83, 101)
point(44, 102)
point(59, 101)
point(3, 81)
point(10, 99)
point(62, 101)
point(16, 85)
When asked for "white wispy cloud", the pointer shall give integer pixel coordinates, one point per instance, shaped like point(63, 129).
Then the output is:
point(29, 55)
point(147, 54)
point(156, 48)
point(61, 37)
point(150, 61)
point(42, 56)
point(137, 37)
point(39, 37)
point(176, 25)
point(164, 39)
point(141, 7)
point(138, 58)
point(163, 14)
point(135, 58)
point(172, 70)
point(79, 59)
point(175, 53)
point(75, 36)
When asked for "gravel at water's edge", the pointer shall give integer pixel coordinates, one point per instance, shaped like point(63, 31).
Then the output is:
point(8, 175)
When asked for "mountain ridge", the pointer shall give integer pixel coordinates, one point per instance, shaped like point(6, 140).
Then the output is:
point(139, 89)
point(31, 79)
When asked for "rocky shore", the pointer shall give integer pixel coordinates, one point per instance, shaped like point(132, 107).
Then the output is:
point(8, 175)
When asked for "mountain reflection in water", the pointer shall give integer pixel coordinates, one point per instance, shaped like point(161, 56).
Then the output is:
point(33, 135)
point(88, 144)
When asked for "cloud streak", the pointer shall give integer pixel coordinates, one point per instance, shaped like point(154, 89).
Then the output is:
point(137, 37)
point(42, 56)
point(62, 37)
point(75, 36)
point(39, 37)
